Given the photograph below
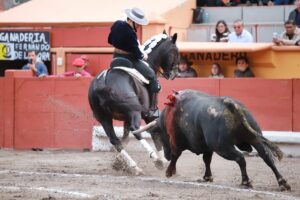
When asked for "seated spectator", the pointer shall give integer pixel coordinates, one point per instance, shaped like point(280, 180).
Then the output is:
point(251, 2)
point(86, 60)
point(291, 35)
point(78, 71)
point(295, 14)
point(221, 32)
point(185, 70)
point(242, 68)
point(240, 35)
point(281, 2)
point(201, 3)
point(38, 68)
point(216, 71)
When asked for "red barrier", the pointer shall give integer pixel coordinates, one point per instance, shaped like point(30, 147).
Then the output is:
point(1, 112)
point(270, 101)
point(9, 112)
point(52, 113)
point(296, 105)
point(210, 86)
point(55, 113)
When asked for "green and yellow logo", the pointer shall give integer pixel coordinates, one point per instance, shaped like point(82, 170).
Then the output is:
point(6, 51)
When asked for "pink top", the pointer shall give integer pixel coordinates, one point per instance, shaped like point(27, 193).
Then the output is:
point(83, 73)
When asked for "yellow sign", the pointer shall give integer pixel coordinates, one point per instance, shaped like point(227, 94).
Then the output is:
point(6, 51)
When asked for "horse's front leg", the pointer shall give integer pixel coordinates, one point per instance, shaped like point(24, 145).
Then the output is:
point(134, 128)
point(115, 141)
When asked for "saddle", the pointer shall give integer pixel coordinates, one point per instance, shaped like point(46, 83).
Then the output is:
point(127, 66)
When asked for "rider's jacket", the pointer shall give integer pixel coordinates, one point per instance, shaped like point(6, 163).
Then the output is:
point(123, 37)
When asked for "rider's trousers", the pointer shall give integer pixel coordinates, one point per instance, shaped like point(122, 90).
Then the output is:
point(145, 70)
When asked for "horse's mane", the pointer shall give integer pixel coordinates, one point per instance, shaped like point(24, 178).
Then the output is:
point(153, 42)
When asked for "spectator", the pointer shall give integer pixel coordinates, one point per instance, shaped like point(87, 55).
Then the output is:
point(242, 68)
point(281, 2)
point(291, 35)
point(240, 35)
point(185, 69)
point(78, 71)
point(38, 68)
point(295, 14)
point(216, 71)
point(86, 61)
point(221, 32)
point(250, 2)
point(201, 3)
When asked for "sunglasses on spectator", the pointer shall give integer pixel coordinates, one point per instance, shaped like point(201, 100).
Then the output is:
point(236, 27)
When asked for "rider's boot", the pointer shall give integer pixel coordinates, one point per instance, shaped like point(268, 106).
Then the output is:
point(153, 111)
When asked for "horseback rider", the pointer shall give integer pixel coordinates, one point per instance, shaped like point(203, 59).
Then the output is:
point(124, 38)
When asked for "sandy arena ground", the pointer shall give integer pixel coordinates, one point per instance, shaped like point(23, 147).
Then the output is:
point(64, 175)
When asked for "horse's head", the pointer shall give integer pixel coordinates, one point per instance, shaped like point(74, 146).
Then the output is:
point(163, 53)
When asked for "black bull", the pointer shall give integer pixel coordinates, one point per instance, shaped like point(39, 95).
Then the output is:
point(205, 124)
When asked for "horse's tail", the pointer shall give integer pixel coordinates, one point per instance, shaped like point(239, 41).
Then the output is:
point(272, 149)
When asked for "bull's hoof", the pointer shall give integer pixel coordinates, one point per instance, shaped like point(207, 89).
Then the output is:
point(247, 184)
point(170, 172)
point(208, 179)
point(159, 164)
point(283, 185)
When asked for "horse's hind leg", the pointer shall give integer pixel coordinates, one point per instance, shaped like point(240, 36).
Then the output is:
point(263, 153)
point(110, 132)
point(125, 138)
point(114, 140)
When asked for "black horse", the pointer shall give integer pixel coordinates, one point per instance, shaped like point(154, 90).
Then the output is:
point(117, 95)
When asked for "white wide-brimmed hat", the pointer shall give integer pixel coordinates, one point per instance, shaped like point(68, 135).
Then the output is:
point(137, 15)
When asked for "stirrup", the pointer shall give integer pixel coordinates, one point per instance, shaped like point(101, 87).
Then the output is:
point(153, 113)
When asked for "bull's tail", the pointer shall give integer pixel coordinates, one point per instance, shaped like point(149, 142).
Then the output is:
point(272, 149)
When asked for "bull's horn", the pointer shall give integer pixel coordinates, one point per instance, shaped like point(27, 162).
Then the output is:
point(145, 128)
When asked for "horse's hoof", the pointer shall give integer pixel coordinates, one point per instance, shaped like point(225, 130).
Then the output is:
point(283, 185)
point(137, 171)
point(247, 184)
point(159, 164)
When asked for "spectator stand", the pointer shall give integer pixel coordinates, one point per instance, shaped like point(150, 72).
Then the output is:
point(261, 21)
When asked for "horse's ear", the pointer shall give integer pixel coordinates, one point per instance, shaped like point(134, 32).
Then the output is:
point(174, 38)
point(164, 32)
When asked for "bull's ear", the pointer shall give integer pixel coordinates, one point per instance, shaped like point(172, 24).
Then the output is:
point(174, 38)
point(164, 32)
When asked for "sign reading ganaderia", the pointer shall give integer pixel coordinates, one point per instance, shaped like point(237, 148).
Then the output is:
point(15, 44)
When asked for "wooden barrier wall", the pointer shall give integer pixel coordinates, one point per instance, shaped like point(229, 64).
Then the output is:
point(1, 112)
point(270, 101)
point(54, 112)
point(296, 105)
